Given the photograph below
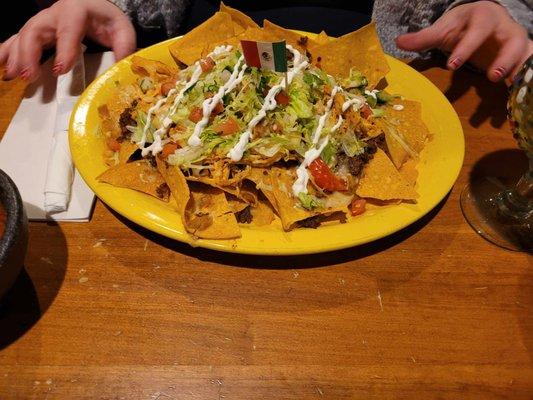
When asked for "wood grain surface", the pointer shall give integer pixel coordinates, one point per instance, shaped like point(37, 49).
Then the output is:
point(107, 310)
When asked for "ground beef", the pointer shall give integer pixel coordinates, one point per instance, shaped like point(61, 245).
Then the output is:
point(126, 119)
point(151, 160)
point(244, 216)
point(302, 41)
point(162, 191)
point(311, 222)
point(356, 164)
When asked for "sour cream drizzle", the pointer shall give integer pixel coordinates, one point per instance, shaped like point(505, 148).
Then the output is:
point(358, 102)
point(269, 104)
point(323, 117)
point(157, 145)
point(209, 104)
point(302, 174)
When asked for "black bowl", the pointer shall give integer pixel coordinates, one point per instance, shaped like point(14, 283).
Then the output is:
point(14, 241)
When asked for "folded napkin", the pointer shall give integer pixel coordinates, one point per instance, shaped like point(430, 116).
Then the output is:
point(35, 144)
point(60, 170)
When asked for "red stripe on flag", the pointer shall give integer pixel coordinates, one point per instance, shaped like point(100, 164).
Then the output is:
point(251, 54)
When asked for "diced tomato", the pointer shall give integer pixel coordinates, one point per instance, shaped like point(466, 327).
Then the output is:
point(366, 111)
point(324, 177)
point(167, 87)
point(282, 98)
point(113, 144)
point(207, 64)
point(227, 127)
point(169, 149)
point(219, 108)
point(196, 114)
point(357, 206)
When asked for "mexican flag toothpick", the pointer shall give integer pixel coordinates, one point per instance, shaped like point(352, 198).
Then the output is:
point(266, 55)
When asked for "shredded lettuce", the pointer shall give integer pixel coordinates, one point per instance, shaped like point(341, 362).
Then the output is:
point(145, 84)
point(309, 202)
point(186, 155)
point(371, 101)
point(355, 80)
point(329, 153)
point(378, 112)
point(313, 80)
point(351, 145)
point(299, 102)
point(139, 129)
point(383, 97)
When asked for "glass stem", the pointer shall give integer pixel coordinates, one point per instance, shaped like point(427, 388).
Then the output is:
point(517, 203)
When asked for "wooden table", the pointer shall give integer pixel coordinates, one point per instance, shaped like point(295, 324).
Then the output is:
point(107, 310)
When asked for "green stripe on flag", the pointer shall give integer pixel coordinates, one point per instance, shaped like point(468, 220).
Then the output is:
point(280, 56)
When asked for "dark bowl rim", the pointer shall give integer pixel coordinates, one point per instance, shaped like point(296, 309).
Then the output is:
point(14, 209)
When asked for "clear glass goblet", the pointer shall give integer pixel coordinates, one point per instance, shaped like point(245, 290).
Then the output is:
point(504, 216)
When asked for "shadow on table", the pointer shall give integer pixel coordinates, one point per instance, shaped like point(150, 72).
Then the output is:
point(493, 96)
point(490, 175)
point(288, 262)
point(37, 285)
point(507, 165)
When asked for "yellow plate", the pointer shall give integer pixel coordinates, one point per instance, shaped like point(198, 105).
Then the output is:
point(439, 166)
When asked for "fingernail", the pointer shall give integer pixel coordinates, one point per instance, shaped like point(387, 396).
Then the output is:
point(499, 72)
point(25, 74)
point(57, 68)
point(455, 63)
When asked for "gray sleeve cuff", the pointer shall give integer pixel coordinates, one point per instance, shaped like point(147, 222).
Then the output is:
point(155, 14)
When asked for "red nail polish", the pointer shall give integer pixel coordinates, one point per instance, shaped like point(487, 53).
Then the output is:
point(455, 63)
point(499, 72)
point(57, 68)
point(25, 74)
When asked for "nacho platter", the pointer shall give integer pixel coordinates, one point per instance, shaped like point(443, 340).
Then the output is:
point(420, 175)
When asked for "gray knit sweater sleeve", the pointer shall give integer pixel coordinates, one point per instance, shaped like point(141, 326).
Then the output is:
point(166, 15)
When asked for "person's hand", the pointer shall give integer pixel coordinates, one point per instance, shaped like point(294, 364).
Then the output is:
point(482, 33)
point(65, 24)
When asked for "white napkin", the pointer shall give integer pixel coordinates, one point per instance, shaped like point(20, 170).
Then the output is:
point(60, 170)
point(30, 140)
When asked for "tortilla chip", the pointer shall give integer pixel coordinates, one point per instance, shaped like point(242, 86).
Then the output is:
point(204, 210)
point(261, 178)
point(208, 214)
point(138, 175)
point(235, 204)
point(177, 184)
point(288, 207)
point(239, 17)
point(216, 29)
point(220, 178)
point(252, 33)
point(408, 124)
point(320, 39)
point(360, 49)
point(296, 40)
point(127, 149)
point(154, 69)
point(381, 180)
point(257, 34)
point(262, 213)
point(409, 172)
